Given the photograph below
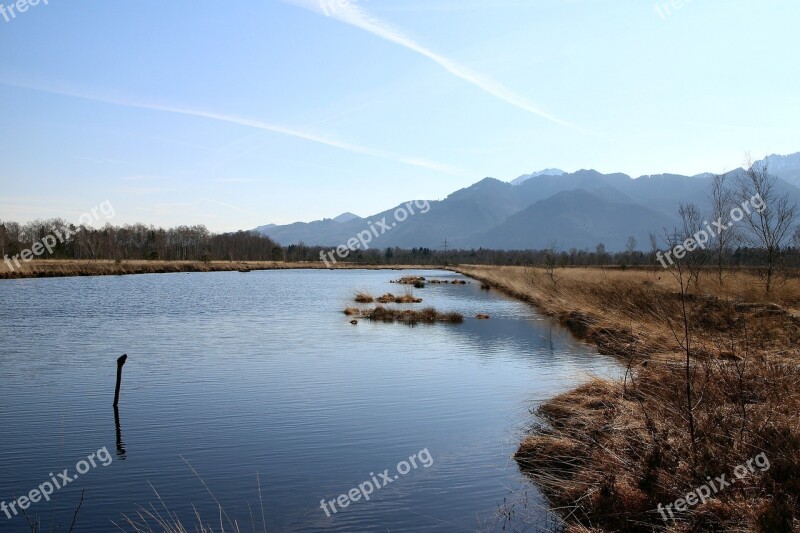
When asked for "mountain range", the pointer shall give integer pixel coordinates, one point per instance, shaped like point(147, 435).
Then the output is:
point(574, 210)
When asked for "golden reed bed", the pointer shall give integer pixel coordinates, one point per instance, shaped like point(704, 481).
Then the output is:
point(610, 455)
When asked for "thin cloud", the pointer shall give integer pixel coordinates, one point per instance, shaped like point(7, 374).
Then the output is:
point(235, 180)
point(246, 122)
point(349, 13)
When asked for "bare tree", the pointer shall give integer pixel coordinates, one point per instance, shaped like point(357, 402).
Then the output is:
point(682, 333)
point(769, 216)
point(630, 248)
point(600, 250)
point(631, 244)
point(694, 236)
point(550, 256)
point(653, 247)
point(723, 201)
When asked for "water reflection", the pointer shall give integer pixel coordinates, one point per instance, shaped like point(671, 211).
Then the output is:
point(120, 443)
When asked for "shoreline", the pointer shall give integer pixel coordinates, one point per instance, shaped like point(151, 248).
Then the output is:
point(611, 455)
point(59, 268)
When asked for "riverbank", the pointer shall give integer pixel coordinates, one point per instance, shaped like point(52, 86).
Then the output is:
point(49, 268)
point(612, 455)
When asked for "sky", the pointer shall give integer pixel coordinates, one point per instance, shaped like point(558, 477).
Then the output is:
point(239, 114)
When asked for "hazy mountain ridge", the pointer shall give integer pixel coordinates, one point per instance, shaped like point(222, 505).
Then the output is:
point(786, 167)
point(545, 172)
point(578, 209)
point(346, 217)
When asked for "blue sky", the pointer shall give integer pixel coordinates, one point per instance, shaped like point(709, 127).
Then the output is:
point(237, 114)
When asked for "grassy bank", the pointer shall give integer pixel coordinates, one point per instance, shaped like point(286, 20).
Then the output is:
point(608, 454)
point(48, 268)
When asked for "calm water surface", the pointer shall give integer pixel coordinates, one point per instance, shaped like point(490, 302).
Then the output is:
point(260, 376)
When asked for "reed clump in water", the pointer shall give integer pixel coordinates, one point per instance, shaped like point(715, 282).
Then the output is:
point(428, 315)
point(445, 282)
point(364, 298)
point(410, 280)
point(405, 299)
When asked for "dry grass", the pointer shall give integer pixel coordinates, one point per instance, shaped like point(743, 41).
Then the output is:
point(158, 518)
point(445, 282)
point(364, 298)
point(416, 281)
point(407, 298)
point(607, 453)
point(428, 315)
point(47, 268)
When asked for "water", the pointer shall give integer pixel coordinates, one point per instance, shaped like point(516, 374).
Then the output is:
point(238, 380)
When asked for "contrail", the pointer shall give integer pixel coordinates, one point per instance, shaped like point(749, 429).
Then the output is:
point(349, 13)
point(246, 122)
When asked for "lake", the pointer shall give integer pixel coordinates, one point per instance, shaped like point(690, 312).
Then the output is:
point(240, 383)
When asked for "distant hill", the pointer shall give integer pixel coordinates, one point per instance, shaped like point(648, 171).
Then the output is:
point(576, 210)
point(266, 228)
point(576, 219)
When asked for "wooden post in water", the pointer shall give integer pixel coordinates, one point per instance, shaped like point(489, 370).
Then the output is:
point(120, 363)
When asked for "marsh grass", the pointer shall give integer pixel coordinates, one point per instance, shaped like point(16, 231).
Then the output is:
point(607, 453)
point(407, 298)
point(417, 281)
point(159, 518)
point(363, 297)
point(35, 522)
point(428, 315)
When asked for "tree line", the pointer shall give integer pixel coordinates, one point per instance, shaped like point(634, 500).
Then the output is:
point(767, 239)
point(197, 243)
point(137, 241)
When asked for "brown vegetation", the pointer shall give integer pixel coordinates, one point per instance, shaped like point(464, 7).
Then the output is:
point(445, 282)
point(49, 268)
point(405, 299)
point(428, 315)
point(364, 298)
point(608, 453)
point(409, 280)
